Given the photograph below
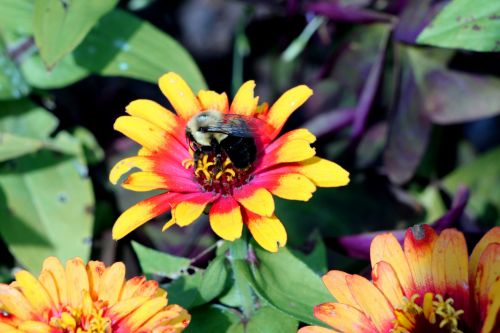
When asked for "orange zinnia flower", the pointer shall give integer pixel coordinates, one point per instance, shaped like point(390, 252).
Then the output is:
point(91, 298)
point(430, 286)
point(286, 167)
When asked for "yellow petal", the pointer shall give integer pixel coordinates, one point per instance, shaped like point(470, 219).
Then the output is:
point(32, 326)
point(174, 315)
point(179, 95)
point(290, 101)
point(324, 173)
point(372, 301)
point(418, 244)
point(15, 303)
point(125, 307)
point(47, 281)
point(125, 165)
point(244, 103)
point(386, 280)
point(259, 201)
point(492, 236)
point(385, 247)
point(78, 281)
point(95, 270)
point(210, 100)
point(167, 225)
point(294, 186)
point(141, 131)
point(343, 318)
point(4, 328)
point(336, 283)
point(143, 313)
point(314, 329)
point(187, 212)
point(154, 113)
point(112, 282)
point(144, 181)
point(131, 286)
point(56, 269)
point(225, 219)
point(34, 292)
point(269, 232)
point(488, 272)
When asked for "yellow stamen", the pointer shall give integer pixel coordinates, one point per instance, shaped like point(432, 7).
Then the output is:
point(187, 163)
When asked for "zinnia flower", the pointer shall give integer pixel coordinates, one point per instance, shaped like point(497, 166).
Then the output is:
point(429, 286)
point(286, 166)
point(88, 298)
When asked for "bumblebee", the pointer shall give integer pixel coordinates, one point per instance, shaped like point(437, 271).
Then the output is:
point(215, 132)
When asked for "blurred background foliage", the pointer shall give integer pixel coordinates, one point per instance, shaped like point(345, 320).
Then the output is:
point(407, 98)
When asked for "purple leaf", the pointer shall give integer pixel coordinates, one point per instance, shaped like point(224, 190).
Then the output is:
point(455, 97)
point(358, 246)
point(330, 122)
point(347, 13)
point(415, 17)
point(409, 131)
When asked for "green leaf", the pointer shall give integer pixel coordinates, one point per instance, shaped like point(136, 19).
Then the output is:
point(12, 146)
point(214, 279)
point(46, 205)
point(12, 83)
point(185, 290)
point(269, 320)
point(60, 25)
point(465, 24)
point(16, 16)
point(481, 177)
point(124, 45)
point(66, 72)
point(214, 318)
point(93, 152)
point(316, 259)
point(156, 263)
point(275, 277)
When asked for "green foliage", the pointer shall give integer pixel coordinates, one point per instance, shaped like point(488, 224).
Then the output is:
point(46, 205)
point(465, 24)
point(59, 26)
point(155, 263)
point(123, 45)
point(12, 84)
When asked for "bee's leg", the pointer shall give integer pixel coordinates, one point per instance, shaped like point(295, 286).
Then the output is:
point(196, 157)
point(216, 148)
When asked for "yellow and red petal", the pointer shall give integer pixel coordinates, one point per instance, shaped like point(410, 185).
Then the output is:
point(491, 323)
point(450, 267)
point(6, 328)
point(256, 199)
point(210, 100)
point(488, 272)
point(385, 247)
point(293, 146)
point(324, 173)
point(179, 95)
point(372, 302)
point(15, 303)
point(155, 114)
point(147, 181)
point(126, 306)
point(122, 167)
point(188, 207)
point(225, 218)
point(244, 103)
point(142, 314)
point(143, 132)
point(290, 101)
point(95, 271)
point(492, 236)
point(344, 318)
point(418, 244)
point(336, 283)
point(269, 232)
point(385, 279)
point(33, 326)
point(141, 213)
point(314, 329)
point(47, 281)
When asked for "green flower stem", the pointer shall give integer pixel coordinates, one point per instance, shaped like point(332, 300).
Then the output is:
point(238, 251)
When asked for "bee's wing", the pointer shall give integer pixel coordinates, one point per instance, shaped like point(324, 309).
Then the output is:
point(233, 124)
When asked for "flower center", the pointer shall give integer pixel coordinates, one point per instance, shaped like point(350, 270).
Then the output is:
point(218, 176)
point(435, 315)
point(89, 320)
